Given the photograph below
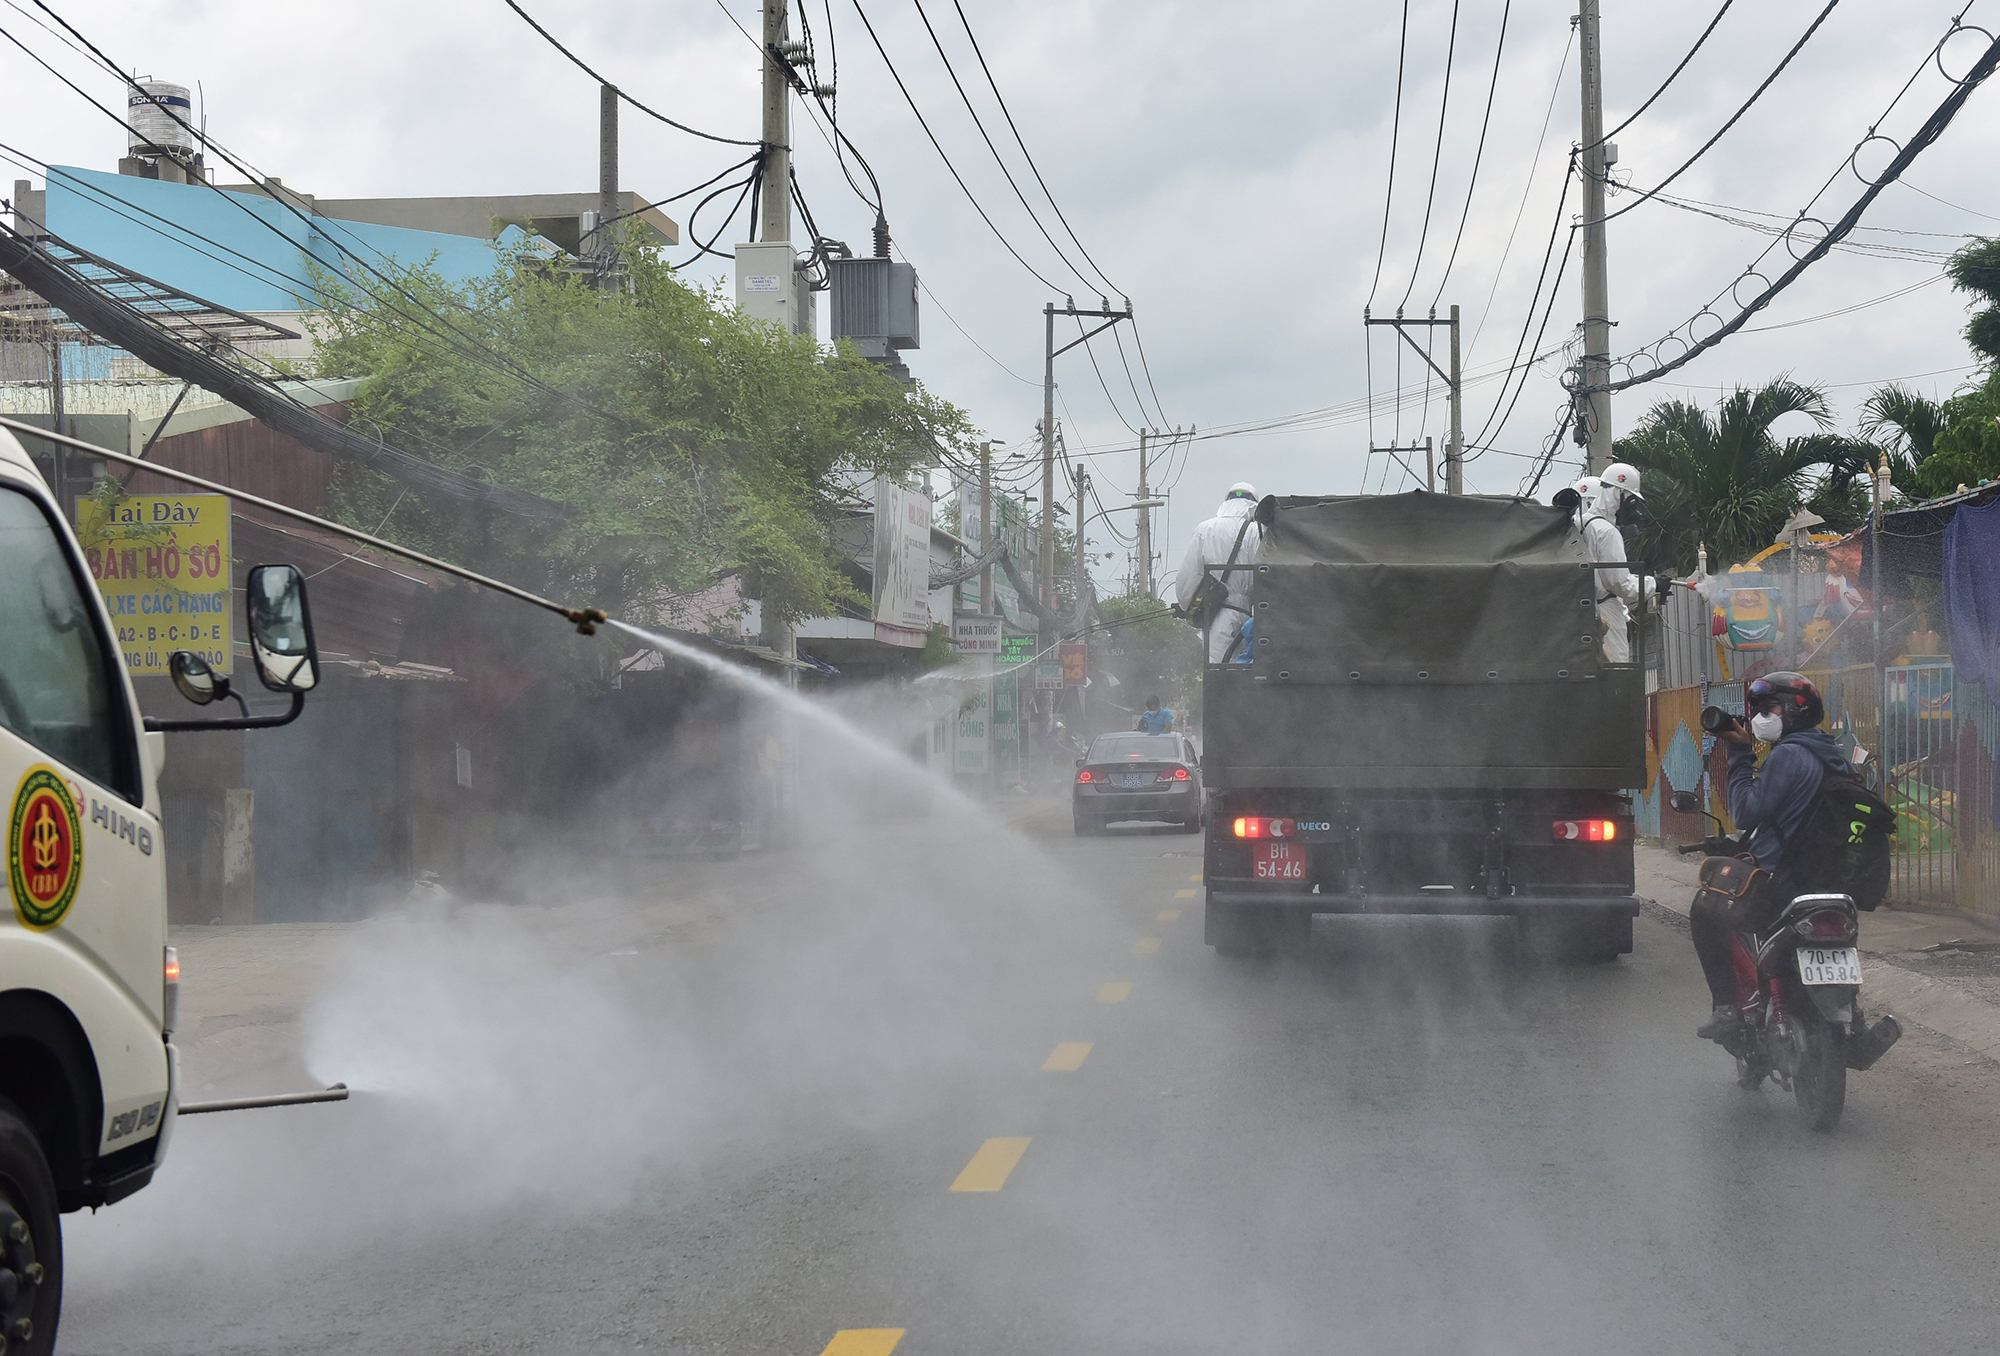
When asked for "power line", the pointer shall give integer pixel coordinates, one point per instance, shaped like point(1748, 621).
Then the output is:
point(1395, 136)
point(584, 66)
point(1547, 254)
point(1734, 117)
point(936, 146)
point(1527, 191)
point(1477, 156)
point(1671, 77)
point(1554, 287)
point(1437, 158)
point(1932, 128)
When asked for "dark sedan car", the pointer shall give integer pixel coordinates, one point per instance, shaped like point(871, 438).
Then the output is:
point(1128, 776)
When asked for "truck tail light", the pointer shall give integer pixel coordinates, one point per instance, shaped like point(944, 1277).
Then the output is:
point(170, 1006)
point(1257, 826)
point(1586, 830)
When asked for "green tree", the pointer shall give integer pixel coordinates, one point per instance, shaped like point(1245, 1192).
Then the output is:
point(685, 441)
point(1976, 269)
point(1726, 480)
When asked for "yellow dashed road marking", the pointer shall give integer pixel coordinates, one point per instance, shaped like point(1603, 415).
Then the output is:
point(1169, 915)
point(1115, 992)
point(863, 1342)
point(1183, 894)
point(1067, 1057)
point(1146, 946)
point(989, 1167)
point(1195, 876)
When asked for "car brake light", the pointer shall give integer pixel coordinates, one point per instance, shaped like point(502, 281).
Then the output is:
point(1257, 826)
point(170, 1006)
point(1179, 774)
point(1586, 830)
point(1084, 775)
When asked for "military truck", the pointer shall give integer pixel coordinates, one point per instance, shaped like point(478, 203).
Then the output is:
point(1426, 725)
point(89, 1076)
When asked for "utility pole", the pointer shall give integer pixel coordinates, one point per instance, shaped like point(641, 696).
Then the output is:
point(1082, 561)
point(986, 527)
point(1454, 448)
point(1454, 451)
point(1049, 355)
point(606, 245)
point(776, 216)
point(1145, 523)
point(1594, 412)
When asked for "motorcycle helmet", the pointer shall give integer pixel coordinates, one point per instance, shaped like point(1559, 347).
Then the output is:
point(1795, 695)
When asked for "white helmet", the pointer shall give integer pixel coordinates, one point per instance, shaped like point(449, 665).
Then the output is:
point(1586, 489)
point(1623, 476)
point(1242, 489)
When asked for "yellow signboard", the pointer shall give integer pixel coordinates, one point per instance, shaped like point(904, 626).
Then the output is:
point(162, 563)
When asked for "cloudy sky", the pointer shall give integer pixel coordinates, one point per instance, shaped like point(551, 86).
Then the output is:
point(1225, 165)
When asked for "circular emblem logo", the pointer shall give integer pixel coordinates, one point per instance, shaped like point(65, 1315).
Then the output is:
point(44, 848)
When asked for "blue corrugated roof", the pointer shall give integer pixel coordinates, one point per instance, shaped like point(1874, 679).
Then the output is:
point(240, 250)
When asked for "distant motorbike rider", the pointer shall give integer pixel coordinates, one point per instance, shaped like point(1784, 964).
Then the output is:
point(1613, 506)
point(1229, 533)
point(1155, 719)
point(1784, 711)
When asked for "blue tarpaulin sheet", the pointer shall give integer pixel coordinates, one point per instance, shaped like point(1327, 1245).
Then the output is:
point(1972, 591)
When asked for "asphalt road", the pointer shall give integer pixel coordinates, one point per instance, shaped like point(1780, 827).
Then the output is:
point(1023, 1109)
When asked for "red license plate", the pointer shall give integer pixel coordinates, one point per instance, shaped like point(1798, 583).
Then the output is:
point(1278, 861)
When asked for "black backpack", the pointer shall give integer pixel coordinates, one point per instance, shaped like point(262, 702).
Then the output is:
point(1843, 844)
point(1211, 595)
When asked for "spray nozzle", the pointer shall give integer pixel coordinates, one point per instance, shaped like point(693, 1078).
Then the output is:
point(586, 618)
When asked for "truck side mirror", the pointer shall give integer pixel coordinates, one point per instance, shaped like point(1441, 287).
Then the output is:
point(1687, 802)
point(197, 682)
point(281, 636)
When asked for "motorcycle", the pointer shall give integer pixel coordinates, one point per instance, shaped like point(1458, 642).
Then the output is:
point(1798, 984)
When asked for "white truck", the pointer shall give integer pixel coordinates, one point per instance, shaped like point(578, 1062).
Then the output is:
point(89, 1077)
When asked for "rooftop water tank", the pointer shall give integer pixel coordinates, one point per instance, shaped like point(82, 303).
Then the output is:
point(161, 118)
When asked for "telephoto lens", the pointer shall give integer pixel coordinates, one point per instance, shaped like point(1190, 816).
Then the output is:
point(1715, 720)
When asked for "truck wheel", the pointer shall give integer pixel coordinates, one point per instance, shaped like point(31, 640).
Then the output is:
point(1596, 941)
point(30, 1242)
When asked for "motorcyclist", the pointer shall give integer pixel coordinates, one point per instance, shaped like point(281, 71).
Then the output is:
point(1213, 542)
point(1784, 711)
point(1155, 719)
point(1613, 506)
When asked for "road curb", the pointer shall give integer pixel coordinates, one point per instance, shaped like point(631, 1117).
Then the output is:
point(1937, 1005)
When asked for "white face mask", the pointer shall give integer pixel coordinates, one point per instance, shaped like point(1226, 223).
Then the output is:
point(1768, 726)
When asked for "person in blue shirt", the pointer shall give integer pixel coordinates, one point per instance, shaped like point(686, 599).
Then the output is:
point(1774, 801)
point(1155, 719)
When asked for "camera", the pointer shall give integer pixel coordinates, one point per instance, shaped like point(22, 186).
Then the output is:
point(1715, 720)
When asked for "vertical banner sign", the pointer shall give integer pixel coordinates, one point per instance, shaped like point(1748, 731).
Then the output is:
point(970, 747)
point(1075, 659)
point(162, 563)
point(902, 564)
point(1007, 729)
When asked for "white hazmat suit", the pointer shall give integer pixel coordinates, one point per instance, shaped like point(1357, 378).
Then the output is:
point(1618, 589)
point(1213, 541)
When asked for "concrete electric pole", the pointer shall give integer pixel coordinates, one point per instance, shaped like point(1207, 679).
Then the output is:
point(1454, 451)
point(1145, 543)
point(1082, 560)
point(606, 245)
point(1454, 448)
point(1593, 411)
point(1049, 355)
point(985, 527)
point(776, 216)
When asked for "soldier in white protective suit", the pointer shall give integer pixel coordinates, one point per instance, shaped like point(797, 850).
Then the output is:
point(1618, 589)
point(1213, 542)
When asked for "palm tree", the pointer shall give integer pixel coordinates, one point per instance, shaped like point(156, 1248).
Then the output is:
point(1727, 481)
point(1908, 425)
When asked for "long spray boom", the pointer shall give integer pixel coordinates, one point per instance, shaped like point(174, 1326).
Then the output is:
point(585, 618)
